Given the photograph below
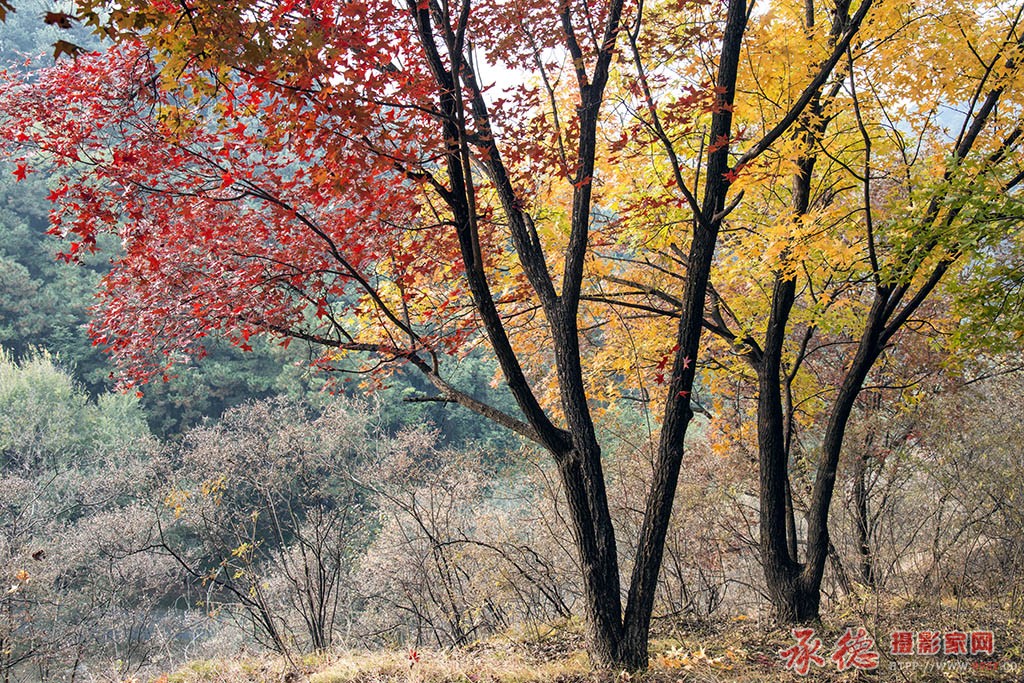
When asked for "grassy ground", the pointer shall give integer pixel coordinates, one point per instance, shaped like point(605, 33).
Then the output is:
point(739, 650)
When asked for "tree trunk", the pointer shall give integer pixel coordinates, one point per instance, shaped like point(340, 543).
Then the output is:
point(651, 546)
point(595, 544)
point(795, 600)
point(792, 600)
point(793, 587)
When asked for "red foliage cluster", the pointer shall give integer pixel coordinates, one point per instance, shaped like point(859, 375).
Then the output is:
point(250, 207)
point(278, 167)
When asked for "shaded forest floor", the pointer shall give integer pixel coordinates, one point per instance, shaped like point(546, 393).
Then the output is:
point(738, 650)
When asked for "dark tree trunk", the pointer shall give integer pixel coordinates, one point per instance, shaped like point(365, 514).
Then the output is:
point(796, 599)
point(595, 542)
point(793, 600)
point(618, 637)
point(868, 350)
point(650, 551)
point(794, 587)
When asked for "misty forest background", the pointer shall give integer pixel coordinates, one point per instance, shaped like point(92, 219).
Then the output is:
point(250, 503)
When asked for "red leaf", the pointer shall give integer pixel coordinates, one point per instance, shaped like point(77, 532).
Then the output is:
point(20, 171)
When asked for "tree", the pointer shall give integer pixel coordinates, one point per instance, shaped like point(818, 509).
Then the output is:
point(963, 201)
point(341, 173)
point(889, 183)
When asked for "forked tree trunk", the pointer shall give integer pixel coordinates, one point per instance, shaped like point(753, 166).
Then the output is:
point(618, 636)
point(795, 586)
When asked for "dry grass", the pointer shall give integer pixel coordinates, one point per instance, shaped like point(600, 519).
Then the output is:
point(738, 651)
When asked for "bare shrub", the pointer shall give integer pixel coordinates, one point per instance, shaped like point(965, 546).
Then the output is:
point(78, 594)
point(460, 553)
point(264, 518)
point(941, 481)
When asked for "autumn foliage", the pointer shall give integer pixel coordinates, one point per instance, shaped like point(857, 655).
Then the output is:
point(284, 178)
point(584, 187)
